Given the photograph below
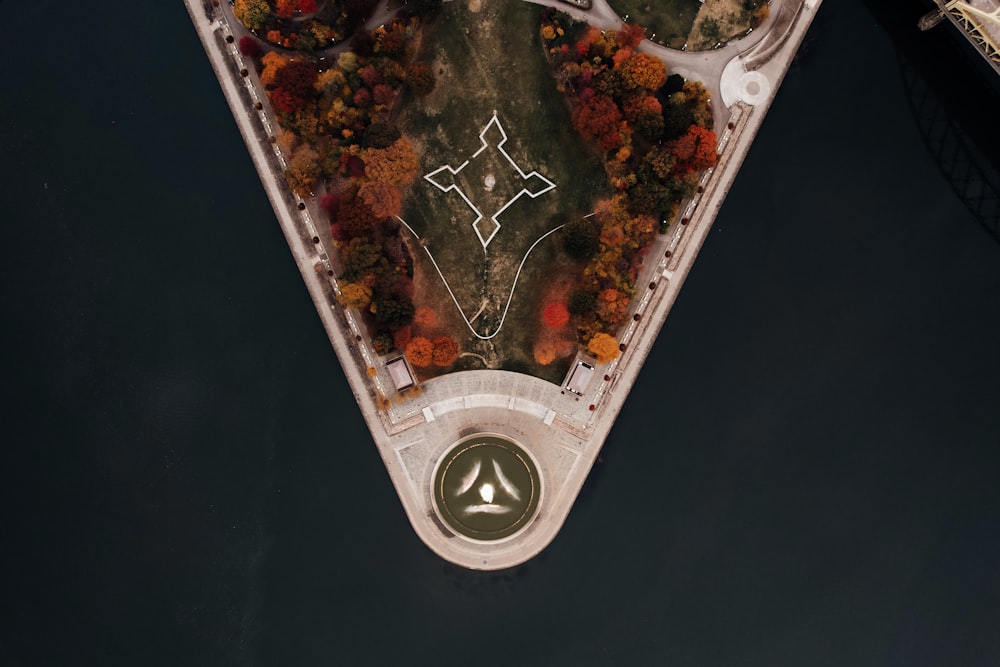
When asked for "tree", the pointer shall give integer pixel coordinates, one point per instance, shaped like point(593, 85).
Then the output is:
point(445, 351)
point(354, 218)
point(545, 352)
point(630, 35)
point(382, 199)
point(677, 117)
point(307, 6)
point(360, 256)
point(252, 13)
point(555, 315)
point(272, 62)
point(355, 295)
point(696, 147)
point(641, 70)
point(597, 120)
point(380, 135)
point(303, 169)
point(612, 305)
point(420, 77)
point(285, 8)
point(397, 165)
point(604, 347)
point(420, 352)
point(580, 238)
point(295, 84)
point(392, 310)
point(249, 46)
point(582, 301)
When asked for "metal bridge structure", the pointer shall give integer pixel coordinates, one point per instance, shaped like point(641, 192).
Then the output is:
point(979, 20)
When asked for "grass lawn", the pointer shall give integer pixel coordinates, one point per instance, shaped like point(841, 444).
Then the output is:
point(488, 59)
point(670, 20)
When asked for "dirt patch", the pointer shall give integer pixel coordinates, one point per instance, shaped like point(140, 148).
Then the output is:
point(719, 21)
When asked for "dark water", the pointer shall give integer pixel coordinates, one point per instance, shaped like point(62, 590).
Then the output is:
point(805, 474)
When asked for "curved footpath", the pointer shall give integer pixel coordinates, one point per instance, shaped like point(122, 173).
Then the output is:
point(562, 432)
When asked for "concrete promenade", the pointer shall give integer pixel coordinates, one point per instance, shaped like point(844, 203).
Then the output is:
point(562, 431)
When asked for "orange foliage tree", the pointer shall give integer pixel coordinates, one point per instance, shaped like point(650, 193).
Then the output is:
point(545, 352)
point(641, 70)
point(396, 165)
point(420, 351)
point(272, 62)
point(445, 351)
point(382, 199)
point(604, 347)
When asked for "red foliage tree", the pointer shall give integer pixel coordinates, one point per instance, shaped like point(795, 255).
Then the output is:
point(330, 202)
point(249, 46)
point(295, 82)
point(696, 147)
point(630, 35)
point(363, 98)
point(597, 119)
point(307, 6)
point(383, 94)
point(284, 8)
point(355, 219)
point(555, 315)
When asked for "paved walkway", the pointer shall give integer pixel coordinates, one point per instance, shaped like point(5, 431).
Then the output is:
point(564, 432)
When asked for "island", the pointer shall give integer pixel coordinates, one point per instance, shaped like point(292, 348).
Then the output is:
point(493, 205)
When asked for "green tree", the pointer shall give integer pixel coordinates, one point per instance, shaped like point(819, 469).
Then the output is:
point(580, 238)
point(581, 301)
point(394, 311)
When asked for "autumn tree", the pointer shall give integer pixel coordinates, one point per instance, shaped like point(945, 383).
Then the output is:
point(249, 46)
point(612, 305)
point(597, 119)
point(354, 218)
point(696, 147)
point(642, 70)
point(355, 295)
point(545, 352)
point(396, 165)
point(380, 135)
point(555, 315)
point(604, 347)
point(285, 8)
point(630, 35)
point(303, 169)
point(420, 351)
point(272, 62)
point(445, 351)
point(294, 85)
point(420, 78)
point(382, 199)
point(359, 257)
point(252, 13)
